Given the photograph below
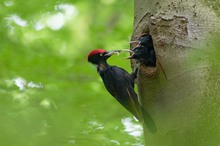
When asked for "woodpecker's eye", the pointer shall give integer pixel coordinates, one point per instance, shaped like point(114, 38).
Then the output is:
point(141, 38)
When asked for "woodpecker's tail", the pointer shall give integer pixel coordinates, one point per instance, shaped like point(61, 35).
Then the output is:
point(148, 121)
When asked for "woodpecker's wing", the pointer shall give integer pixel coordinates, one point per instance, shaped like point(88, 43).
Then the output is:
point(120, 85)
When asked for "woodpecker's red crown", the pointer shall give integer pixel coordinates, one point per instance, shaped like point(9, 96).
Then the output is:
point(97, 51)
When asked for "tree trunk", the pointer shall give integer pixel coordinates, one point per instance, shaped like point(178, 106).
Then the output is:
point(185, 105)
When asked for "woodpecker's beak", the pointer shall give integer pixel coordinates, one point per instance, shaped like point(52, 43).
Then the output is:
point(136, 43)
point(132, 54)
point(112, 53)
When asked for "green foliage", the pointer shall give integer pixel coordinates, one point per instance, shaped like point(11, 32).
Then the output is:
point(63, 100)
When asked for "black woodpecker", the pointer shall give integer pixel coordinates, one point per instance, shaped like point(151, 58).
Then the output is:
point(118, 82)
point(144, 51)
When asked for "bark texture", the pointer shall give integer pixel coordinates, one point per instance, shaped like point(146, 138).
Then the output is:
point(185, 106)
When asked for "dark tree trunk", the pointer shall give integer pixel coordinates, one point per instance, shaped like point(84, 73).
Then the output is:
point(185, 106)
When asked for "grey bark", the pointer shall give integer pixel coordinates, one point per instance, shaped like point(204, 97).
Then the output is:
point(185, 106)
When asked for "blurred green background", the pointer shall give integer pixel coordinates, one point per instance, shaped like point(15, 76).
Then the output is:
point(49, 94)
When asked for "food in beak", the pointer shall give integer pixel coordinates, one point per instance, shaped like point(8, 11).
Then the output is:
point(112, 52)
